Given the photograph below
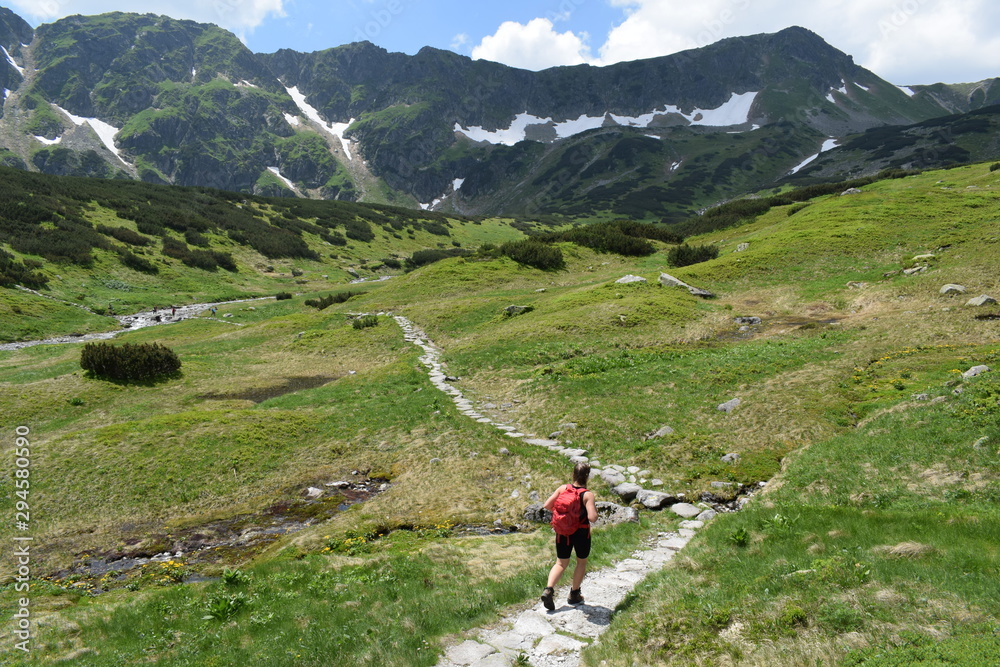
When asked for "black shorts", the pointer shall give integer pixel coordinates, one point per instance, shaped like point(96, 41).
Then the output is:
point(580, 540)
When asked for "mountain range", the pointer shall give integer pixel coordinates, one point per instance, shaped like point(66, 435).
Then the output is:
point(177, 102)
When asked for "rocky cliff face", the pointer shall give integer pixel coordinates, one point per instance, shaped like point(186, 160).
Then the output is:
point(149, 97)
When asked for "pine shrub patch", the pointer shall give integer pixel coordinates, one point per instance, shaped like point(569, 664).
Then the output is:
point(685, 255)
point(129, 362)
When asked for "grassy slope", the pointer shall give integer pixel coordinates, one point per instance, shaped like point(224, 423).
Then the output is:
point(618, 360)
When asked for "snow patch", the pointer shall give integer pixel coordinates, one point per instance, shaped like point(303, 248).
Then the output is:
point(310, 112)
point(736, 111)
point(864, 88)
point(105, 131)
point(48, 142)
point(456, 185)
point(194, 73)
point(909, 91)
point(277, 172)
point(653, 136)
point(6, 93)
point(20, 70)
point(292, 120)
point(245, 84)
point(829, 144)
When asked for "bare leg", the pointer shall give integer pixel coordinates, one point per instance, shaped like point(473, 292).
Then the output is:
point(557, 571)
point(579, 572)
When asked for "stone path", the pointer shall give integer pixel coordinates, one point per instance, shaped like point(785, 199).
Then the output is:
point(556, 639)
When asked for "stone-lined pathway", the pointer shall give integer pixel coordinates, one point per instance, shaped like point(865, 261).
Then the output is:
point(556, 639)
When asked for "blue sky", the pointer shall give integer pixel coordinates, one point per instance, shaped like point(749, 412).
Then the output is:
point(903, 41)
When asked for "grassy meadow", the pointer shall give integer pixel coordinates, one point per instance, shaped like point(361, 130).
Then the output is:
point(874, 543)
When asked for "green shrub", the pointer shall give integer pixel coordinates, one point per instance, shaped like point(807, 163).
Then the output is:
point(995, 166)
point(125, 235)
point(365, 321)
point(535, 253)
point(283, 296)
point(431, 255)
point(136, 263)
point(330, 299)
point(685, 255)
point(129, 362)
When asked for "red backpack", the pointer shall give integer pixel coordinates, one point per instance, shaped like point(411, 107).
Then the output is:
point(568, 511)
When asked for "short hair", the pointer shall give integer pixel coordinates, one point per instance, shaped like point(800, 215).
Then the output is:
point(581, 473)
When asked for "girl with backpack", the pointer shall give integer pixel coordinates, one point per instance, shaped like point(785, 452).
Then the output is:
point(573, 510)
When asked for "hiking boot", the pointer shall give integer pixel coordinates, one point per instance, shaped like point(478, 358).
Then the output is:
point(547, 599)
point(575, 596)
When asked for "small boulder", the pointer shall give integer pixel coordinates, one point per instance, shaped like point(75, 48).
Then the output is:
point(654, 500)
point(612, 477)
point(749, 321)
point(952, 288)
point(731, 458)
point(729, 406)
point(743, 247)
point(707, 516)
point(613, 513)
point(976, 371)
point(915, 270)
point(537, 514)
point(850, 191)
point(685, 510)
point(983, 300)
point(661, 432)
point(668, 280)
point(701, 293)
point(503, 451)
point(513, 311)
point(627, 491)
point(312, 493)
point(629, 279)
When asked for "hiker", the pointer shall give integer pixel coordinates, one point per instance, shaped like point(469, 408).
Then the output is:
point(173, 310)
point(213, 311)
point(573, 510)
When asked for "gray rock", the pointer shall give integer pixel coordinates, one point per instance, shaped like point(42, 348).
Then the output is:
point(612, 477)
point(555, 644)
point(722, 485)
point(976, 371)
point(850, 191)
point(983, 300)
point(661, 432)
point(515, 494)
point(468, 652)
point(533, 496)
point(951, 288)
point(701, 293)
point(313, 492)
point(750, 321)
point(633, 469)
point(668, 280)
point(435, 460)
point(629, 279)
point(541, 442)
point(534, 624)
point(685, 510)
point(729, 406)
point(613, 513)
point(503, 451)
point(654, 500)
point(513, 311)
point(706, 516)
point(656, 482)
point(537, 514)
point(743, 247)
point(568, 426)
point(573, 452)
point(578, 459)
point(691, 524)
point(627, 491)
point(644, 473)
point(914, 270)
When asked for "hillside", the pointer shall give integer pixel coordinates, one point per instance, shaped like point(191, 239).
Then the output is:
point(182, 508)
point(166, 101)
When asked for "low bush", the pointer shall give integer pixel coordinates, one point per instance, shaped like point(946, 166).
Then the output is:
point(534, 253)
point(283, 296)
point(365, 321)
point(685, 255)
point(129, 362)
point(330, 299)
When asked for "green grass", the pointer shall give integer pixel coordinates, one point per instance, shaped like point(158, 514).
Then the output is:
point(818, 568)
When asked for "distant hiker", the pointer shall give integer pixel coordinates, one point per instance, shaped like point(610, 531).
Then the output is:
point(213, 311)
point(173, 310)
point(154, 310)
point(573, 510)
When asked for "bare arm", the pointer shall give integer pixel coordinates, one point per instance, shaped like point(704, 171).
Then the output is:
point(588, 501)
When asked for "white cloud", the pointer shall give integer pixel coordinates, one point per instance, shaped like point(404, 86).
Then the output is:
point(459, 41)
point(535, 45)
point(904, 41)
point(236, 15)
